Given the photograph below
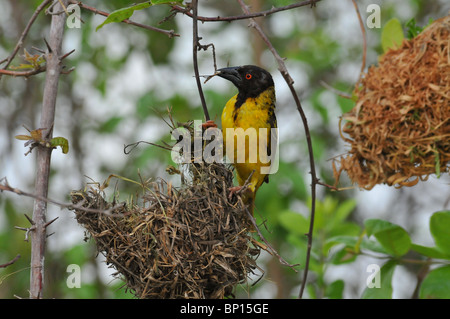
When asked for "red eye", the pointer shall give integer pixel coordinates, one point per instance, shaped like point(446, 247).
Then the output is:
point(248, 76)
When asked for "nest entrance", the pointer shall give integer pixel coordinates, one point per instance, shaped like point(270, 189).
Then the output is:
point(187, 242)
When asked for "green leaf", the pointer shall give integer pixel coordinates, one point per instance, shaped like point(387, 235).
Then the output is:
point(344, 209)
point(335, 290)
point(436, 284)
point(412, 29)
point(344, 256)
point(123, 14)
point(293, 222)
point(394, 239)
point(439, 227)
point(384, 288)
point(348, 241)
point(345, 104)
point(126, 13)
point(110, 125)
point(432, 252)
point(392, 35)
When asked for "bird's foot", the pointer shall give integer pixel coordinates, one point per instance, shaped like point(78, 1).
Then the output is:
point(234, 190)
point(208, 124)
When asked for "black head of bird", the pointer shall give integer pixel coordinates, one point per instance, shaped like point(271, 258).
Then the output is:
point(250, 80)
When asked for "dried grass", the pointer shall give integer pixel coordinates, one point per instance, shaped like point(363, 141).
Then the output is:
point(399, 129)
point(186, 242)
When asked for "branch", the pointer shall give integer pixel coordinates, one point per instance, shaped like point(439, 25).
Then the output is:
point(195, 48)
point(284, 72)
point(37, 68)
point(335, 91)
point(245, 16)
point(363, 31)
point(24, 34)
point(79, 207)
point(169, 33)
point(43, 158)
point(26, 74)
point(10, 262)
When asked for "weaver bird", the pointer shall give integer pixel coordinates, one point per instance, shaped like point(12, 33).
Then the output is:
point(252, 107)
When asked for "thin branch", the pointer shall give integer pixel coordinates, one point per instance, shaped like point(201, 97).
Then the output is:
point(284, 72)
point(38, 69)
point(335, 91)
point(19, 44)
point(245, 16)
point(79, 207)
point(169, 33)
point(363, 31)
point(26, 230)
point(26, 74)
point(195, 49)
point(272, 251)
point(10, 262)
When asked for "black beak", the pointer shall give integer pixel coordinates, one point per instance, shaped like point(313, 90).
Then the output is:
point(231, 74)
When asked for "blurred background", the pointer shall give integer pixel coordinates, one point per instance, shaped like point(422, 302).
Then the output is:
point(126, 77)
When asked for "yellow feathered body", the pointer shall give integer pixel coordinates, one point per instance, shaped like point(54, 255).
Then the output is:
point(254, 113)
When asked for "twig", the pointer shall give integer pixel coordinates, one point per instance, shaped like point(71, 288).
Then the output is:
point(282, 68)
point(363, 31)
point(26, 74)
point(169, 33)
point(195, 48)
point(335, 91)
point(272, 250)
point(10, 262)
point(26, 230)
point(6, 187)
point(245, 16)
point(19, 44)
point(127, 150)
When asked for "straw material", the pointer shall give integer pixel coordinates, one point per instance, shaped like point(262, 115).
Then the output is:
point(186, 242)
point(399, 129)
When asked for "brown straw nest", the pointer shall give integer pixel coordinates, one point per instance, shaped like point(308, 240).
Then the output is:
point(187, 242)
point(399, 129)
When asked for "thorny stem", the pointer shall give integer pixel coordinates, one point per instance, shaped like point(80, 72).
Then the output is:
point(282, 68)
point(38, 235)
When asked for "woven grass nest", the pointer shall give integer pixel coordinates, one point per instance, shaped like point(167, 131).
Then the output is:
point(187, 242)
point(399, 129)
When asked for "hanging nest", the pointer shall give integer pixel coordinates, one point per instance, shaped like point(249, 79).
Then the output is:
point(399, 129)
point(186, 242)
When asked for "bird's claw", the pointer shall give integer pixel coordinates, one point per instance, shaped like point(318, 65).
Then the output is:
point(208, 124)
point(234, 190)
